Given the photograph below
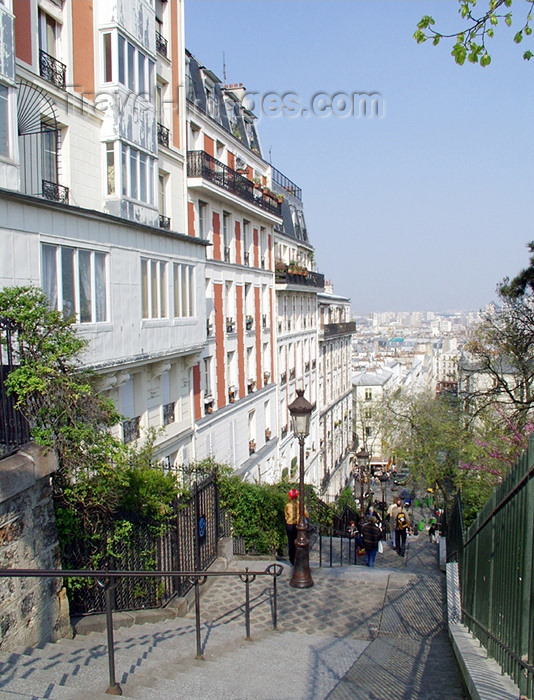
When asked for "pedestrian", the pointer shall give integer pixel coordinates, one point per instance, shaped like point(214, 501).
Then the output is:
point(402, 527)
point(433, 532)
point(371, 535)
point(371, 512)
point(291, 514)
point(391, 515)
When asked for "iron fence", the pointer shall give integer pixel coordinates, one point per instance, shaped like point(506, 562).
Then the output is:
point(14, 428)
point(189, 542)
point(496, 566)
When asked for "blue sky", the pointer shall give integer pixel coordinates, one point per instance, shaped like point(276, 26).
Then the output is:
point(425, 208)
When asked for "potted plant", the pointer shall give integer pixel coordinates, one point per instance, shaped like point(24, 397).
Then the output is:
point(267, 434)
point(251, 446)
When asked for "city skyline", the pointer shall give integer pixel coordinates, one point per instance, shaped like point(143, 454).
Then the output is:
point(426, 201)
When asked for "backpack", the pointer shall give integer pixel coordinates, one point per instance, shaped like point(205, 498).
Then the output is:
point(402, 521)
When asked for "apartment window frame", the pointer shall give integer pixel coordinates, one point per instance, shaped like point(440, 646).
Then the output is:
point(137, 174)
point(126, 64)
point(5, 145)
point(154, 292)
point(75, 280)
point(184, 290)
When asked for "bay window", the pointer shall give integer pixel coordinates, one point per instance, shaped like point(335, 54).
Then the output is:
point(74, 280)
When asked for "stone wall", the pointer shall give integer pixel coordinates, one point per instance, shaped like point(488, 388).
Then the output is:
point(32, 610)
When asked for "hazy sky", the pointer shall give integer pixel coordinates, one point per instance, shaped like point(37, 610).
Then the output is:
point(424, 208)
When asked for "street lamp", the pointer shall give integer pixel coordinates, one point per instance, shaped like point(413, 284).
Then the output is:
point(384, 478)
point(362, 458)
point(300, 411)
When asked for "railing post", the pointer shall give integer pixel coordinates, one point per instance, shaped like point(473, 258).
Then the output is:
point(247, 606)
point(114, 688)
point(199, 655)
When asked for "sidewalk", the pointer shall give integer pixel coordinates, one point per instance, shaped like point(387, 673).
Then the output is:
point(375, 634)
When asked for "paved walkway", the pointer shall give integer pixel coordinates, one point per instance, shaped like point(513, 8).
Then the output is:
point(375, 634)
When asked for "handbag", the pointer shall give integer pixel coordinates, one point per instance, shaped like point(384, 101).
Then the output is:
point(380, 546)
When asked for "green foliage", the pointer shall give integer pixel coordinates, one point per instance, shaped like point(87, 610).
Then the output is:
point(470, 42)
point(346, 498)
point(257, 512)
point(102, 485)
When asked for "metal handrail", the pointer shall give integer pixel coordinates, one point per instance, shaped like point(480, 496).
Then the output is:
point(105, 578)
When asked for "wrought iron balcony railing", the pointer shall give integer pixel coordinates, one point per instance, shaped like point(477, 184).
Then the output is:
point(163, 135)
point(52, 70)
point(246, 258)
point(331, 329)
point(161, 45)
point(202, 164)
point(168, 413)
point(303, 277)
point(55, 192)
point(164, 222)
point(226, 253)
point(131, 430)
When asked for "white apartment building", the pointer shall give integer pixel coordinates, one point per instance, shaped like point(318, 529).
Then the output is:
point(231, 205)
point(93, 195)
point(335, 401)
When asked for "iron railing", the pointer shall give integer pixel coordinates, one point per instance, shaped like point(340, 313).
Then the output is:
point(55, 192)
point(188, 543)
point(308, 279)
point(52, 70)
point(286, 183)
point(202, 164)
point(332, 329)
point(161, 45)
point(496, 565)
point(164, 222)
point(163, 135)
point(107, 581)
point(14, 428)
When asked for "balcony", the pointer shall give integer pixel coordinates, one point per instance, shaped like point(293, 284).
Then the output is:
point(161, 45)
point(164, 222)
point(249, 323)
point(131, 430)
point(55, 192)
point(52, 70)
point(300, 276)
point(332, 329)
point(230, 325)
point(163, 135)
point(201, 164)
point(286, 183)
point(168, 413)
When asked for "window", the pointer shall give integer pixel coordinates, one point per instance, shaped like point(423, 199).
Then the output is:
point(125, 64)
point(137, 171)
point(48, 32)
point(368, 394)
point(108, 59)
point(74, 281)
point(226, 235)
point(154, 288)
point(4, 121)
point(202, 209)
point(183, 287)
point(110, 168)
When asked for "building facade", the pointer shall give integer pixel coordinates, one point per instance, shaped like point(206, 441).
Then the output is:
point(93, 192)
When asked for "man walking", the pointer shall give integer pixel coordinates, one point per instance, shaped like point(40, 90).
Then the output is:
point(402, 527)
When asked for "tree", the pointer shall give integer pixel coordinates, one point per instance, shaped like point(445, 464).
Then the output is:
point(101, 481)
point(500, 366)
point(471, 41)
point(427, 432)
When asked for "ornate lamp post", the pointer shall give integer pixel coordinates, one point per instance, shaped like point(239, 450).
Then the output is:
point(362, 458)
point(300, 411)
point(384, 478)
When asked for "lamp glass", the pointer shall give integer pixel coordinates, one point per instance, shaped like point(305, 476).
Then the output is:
point(300, 422)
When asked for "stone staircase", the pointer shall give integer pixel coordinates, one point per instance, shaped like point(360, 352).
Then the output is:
point(342, 638)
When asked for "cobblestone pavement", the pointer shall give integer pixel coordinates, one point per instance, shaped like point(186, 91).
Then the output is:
point(358, 633)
